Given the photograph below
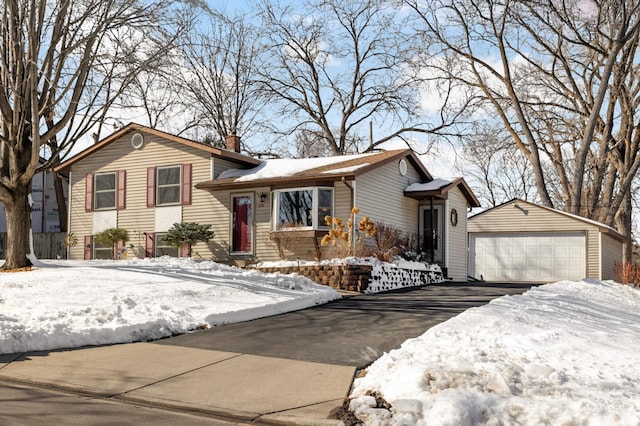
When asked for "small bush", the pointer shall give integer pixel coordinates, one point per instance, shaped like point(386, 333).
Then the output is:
point(187, 234)
point(627, 273)
point(390, 242)
point(111, 237)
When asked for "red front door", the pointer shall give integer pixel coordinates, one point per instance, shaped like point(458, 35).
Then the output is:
point(241, 224)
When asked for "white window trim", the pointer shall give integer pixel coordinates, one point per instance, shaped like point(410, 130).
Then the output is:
point(157, 246)
point(96, 191)
point(174, 203)
point(275, 212)
point(96, 249)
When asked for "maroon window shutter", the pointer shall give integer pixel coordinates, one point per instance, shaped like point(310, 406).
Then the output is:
point(88, 247)
point(186, 184)
point(88, 193)
point(121, 194)
point(148, 244)
point(151, 187)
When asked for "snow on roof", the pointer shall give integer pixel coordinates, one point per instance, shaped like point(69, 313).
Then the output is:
point(428, 186)
point(346, 169)
point(288, 167)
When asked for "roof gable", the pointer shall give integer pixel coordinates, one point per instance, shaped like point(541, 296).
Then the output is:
point(305, 170)
point(133, 127)
point(516, 201)
point(439, 188)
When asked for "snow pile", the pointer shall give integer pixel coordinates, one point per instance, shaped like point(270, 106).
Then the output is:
point(565, 353)
point(284, 167)
point(352, 260)
point(71, 304)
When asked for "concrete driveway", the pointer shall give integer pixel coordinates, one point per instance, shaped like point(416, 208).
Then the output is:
point(354, 331)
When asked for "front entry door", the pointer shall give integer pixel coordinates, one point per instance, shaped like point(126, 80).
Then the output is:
point(242, 226)
point(431, 232)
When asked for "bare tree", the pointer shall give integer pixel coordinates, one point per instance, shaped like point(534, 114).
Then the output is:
point(155, 99)
point(562, 78)
point(340, 66)
point(62, 65)
point(498, 171)
point(216, 76)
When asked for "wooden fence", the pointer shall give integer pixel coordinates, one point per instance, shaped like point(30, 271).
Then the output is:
point(47, 245)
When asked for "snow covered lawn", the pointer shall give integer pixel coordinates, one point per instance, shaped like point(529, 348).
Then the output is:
point(75, 303)
point(560, 354)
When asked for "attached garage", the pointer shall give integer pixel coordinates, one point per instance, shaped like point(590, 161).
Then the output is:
point(522, 242)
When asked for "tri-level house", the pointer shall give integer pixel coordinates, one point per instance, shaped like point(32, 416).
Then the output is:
point(145, 180)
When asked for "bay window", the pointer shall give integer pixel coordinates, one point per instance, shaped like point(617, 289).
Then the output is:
point(302, 208)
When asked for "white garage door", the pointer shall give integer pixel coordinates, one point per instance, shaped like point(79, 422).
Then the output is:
point(528, 256)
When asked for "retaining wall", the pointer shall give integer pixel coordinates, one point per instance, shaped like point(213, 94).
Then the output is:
point(361, 278)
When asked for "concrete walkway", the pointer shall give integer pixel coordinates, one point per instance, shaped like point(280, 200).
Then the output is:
point(290, 369)
point(222, 384)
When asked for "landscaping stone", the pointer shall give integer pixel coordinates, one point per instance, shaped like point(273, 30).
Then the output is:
point(361, 278)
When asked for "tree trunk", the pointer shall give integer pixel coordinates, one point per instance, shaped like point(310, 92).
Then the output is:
point(18, 226)
point(623, 223)
point(60, 202)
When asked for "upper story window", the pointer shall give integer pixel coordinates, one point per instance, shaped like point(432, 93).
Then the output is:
point(169, 185)
point(105, 191)
point(302, 208)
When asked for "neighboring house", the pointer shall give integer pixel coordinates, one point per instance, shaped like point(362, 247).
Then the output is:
point(45, 223)
point(521, 241)
point(145, 180)
point(44, 213)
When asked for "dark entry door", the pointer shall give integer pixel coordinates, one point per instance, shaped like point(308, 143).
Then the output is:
point(432, 233)
point(241, 224)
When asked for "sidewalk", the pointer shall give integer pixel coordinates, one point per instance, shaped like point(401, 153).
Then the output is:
point(226, 384)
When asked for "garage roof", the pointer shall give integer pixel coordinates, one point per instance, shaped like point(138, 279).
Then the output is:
point(602, 227)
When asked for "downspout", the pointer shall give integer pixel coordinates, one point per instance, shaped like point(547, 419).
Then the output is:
point(353, 204)
point(353, 192)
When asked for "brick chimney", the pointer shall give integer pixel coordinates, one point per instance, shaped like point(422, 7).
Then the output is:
point(233, 143)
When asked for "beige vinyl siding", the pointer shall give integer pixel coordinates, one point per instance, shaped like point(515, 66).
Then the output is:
point(611, 253)
point(137, 218)
point(380, 195)
point(266, 248)
point(593, 251)
point(81, 223)
point(457, 237)
point(342, 200)
point(531, 218)
point(215, 210)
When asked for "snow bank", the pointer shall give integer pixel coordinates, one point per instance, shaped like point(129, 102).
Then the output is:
point(566, 353)
point(71, 304)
